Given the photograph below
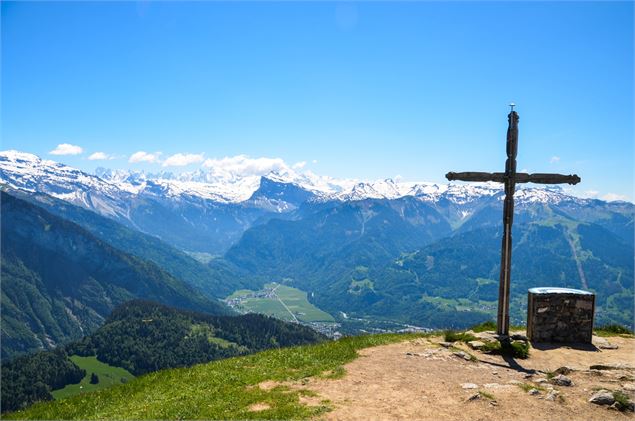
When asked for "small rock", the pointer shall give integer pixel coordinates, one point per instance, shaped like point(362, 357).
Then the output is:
point(469, 386)
point(528, 375)
point(463, 354)
point(474, 397)
point(476, 344)
point(615, 406)
point(534, 392)
point(608, 346)
point(602, 397)
point(561, 380)
point(552, 395)
point(519, 337)
point(445, 344)
point(495, 373)
point(409, 353)
point(542, 380)
point(493, 403)
point(487, 336)
point(564, 370)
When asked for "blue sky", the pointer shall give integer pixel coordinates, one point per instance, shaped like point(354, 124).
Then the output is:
point(355, 90)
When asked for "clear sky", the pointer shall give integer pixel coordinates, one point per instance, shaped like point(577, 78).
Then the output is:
point(355, 90)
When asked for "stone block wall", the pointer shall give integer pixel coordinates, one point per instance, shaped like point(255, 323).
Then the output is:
point(560, 315)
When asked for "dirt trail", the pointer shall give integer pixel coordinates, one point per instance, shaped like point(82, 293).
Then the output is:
point(421, 380)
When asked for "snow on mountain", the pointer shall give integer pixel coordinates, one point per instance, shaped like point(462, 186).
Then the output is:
point(29, 172)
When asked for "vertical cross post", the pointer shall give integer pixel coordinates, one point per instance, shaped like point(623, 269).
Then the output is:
point(502, 325)
point(509, 178)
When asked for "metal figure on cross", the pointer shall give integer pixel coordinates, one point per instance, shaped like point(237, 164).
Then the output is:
point(510, 177)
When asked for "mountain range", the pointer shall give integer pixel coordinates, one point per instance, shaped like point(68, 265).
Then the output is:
point(420, 253)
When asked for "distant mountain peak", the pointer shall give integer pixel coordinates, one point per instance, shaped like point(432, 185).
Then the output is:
point(29, 172)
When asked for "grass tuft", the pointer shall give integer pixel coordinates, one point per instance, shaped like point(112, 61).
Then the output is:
point(514, 349)
point(623, 401)
point(454, 336)
point(486, 395)
point(528, 386)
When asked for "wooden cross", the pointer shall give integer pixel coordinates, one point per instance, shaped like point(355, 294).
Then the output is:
point(510, 177)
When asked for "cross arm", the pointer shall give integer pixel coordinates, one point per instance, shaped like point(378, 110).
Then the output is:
point(542, 178)
point(500, 177)
point(476, 176)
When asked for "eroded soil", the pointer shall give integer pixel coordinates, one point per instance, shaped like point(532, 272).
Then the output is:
point(420, 379)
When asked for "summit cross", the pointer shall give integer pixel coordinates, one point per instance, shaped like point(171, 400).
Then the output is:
point(510, 177)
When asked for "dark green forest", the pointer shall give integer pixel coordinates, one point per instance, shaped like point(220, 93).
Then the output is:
point(30, 378)
point(143, 336)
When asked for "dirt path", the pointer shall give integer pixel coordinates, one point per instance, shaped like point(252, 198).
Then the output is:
point(421, 380)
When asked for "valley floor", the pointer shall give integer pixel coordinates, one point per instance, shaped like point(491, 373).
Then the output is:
point(419, 379)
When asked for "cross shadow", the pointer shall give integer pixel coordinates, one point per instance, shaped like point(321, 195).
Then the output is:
point(511, 363)
point(545, 346)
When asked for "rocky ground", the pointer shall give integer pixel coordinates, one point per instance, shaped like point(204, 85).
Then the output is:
point(432, 380)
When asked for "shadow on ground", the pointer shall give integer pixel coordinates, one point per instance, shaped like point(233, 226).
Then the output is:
point(545, 346)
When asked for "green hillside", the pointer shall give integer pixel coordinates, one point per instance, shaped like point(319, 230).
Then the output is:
point(59, 281)
point(106, 374)
point(137, 338)
point(216, 278)
point(364, 260)
point(219, 390)
point(143, 336)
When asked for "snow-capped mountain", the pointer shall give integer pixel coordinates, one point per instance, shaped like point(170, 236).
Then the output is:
point(208, 210)
point(27, 172)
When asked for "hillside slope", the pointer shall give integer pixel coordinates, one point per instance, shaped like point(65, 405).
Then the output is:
point(217, 279)
point(141, 337)
point(386, 259)
point(59, 281)
point(414, 378)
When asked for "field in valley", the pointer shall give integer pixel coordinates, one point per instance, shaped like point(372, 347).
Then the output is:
point(280, 301)
point(108, 376)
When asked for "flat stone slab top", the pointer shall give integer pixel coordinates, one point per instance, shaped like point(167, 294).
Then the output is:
point(557, 290)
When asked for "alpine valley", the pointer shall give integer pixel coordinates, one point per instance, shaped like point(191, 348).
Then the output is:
point(373, 255)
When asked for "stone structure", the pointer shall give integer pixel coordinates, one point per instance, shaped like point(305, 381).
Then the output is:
point(560, 315)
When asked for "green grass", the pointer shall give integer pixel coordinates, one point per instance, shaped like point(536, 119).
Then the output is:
point(454, 336)
point(108, 376)
point(295, 299)
point(527, 387)
point(613, 330)
point(514, 349)
point(486, 395)
point(622, 400)
point(218, 390)
point(485, 326)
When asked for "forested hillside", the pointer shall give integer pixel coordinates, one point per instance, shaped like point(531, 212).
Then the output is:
point(217, 279)
point(59, 281)
point(364, 259)
point(142, 337)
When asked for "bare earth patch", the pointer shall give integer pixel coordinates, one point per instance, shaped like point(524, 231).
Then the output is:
point(421, 380)
point(268, 385)
point(257, 407)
